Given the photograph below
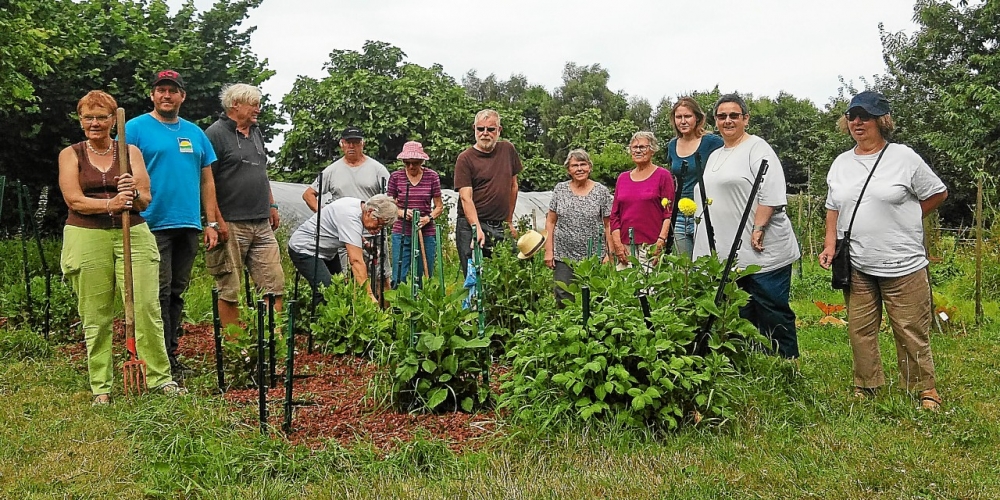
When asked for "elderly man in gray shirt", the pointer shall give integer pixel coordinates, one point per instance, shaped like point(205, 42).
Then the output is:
point(356, 175)
point(248, 215)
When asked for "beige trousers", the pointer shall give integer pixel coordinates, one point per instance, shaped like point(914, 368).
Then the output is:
point(907, 301)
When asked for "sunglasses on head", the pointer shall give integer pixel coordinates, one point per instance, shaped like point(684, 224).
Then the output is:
point(858, 113)
point(486, 129)
point(732, 116)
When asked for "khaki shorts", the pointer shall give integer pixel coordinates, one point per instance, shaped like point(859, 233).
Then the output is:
point(250, 243)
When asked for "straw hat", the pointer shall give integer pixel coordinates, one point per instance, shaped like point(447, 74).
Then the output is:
point(413, 150)
point(529, 243)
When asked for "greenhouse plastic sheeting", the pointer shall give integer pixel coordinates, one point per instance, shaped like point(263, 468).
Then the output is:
point(293, 209)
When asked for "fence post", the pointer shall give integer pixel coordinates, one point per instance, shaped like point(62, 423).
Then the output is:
point(979, 249)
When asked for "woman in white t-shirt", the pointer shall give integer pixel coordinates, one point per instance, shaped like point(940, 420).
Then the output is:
point(887, 251)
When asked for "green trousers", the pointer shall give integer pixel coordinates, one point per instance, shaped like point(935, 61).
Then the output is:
point(92, 261)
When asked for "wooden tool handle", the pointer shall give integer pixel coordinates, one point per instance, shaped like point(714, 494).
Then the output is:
point(123, 167)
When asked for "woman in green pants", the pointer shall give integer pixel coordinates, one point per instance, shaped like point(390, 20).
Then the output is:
point(97, 193)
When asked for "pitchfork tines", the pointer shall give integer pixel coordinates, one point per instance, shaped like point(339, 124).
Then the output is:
point(133, 370)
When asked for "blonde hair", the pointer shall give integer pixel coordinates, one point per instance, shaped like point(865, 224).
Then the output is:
point(885, 123)
point(236, 93)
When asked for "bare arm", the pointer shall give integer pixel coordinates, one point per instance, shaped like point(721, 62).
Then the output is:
point(211, 207)
point(608, 243)
point(469, 209)
point(69, 184)
point(513, 205)
point(357, 259)
point(550, 232)
point(830, 239)
point(930, 204)
point(310, 196)
point(760, 219)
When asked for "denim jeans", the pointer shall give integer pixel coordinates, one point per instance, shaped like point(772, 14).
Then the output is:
point(464, 237)
point(401, 257)
point(178, 248)
point(684, 235)
point(315, 270)
point(769, 311)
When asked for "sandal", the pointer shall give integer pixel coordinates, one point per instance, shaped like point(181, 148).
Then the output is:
point(930, 400)
point(172, 389)
point(864, 392)
point(101, 400)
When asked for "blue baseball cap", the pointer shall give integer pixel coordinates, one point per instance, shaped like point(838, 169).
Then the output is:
point(873, 102)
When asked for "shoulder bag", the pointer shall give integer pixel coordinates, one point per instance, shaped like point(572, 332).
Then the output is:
point(841, 264)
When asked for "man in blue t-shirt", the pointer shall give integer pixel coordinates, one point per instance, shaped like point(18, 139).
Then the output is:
point(178, 155)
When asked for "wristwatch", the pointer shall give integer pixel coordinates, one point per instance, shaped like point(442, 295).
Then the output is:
point(213, 225)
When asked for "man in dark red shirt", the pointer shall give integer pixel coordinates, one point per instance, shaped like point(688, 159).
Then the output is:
point(486, 180)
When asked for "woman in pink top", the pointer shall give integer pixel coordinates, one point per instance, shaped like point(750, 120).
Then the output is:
point(639, 205)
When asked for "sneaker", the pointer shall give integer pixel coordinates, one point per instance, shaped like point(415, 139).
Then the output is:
point(101, 400)
point(172, 389)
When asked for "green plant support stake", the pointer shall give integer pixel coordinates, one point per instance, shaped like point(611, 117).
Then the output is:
point(289, 367)
point(261, 386)
point(477, 262)
point(24, 251)
point(440, 256)
point(272, 358)
point(590, 247)
point(585, 292)
point(246, 287)
point(631, 241)
point(415, 282)
point(3, 186)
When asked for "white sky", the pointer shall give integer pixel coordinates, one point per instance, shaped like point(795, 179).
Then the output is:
point(650, 48)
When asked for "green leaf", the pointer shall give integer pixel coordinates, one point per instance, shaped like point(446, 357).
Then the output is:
point(467, 404)
point(428, 366)
point(436, 397)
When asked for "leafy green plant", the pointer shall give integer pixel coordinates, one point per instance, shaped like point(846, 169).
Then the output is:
point(511, 288)
point(444, 358)
point(348, 322)
point(623, 365)
point(31, 312)
point(20, 344)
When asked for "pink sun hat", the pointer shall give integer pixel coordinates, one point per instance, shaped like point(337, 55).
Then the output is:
point(413, 150)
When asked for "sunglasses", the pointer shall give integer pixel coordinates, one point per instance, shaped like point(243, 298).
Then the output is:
point(719, 117)
point(409, 163)
point(859, 114)
point(486, 129)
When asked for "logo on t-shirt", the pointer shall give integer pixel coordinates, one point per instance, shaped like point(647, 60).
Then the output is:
point(185, 145)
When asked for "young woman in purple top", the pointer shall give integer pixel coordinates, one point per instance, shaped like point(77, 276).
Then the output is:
point(414, 187)
point(638, 203)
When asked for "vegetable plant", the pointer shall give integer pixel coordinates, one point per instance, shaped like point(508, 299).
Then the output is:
point(348, 322)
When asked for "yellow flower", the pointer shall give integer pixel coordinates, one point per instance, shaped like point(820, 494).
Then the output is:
point(687, 206)
point(708, 201)
point(664, 202)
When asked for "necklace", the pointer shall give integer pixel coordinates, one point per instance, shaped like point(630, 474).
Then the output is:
point(99, 153)
point(719, 164)
point(178, 124)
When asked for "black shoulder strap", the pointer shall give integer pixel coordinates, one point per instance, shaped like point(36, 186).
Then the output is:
point(847, 234)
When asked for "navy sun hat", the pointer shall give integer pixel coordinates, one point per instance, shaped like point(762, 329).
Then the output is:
point(873, 102)
point(352, 133)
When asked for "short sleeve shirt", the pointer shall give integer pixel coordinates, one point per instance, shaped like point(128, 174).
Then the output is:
point(340, 225)
point(491, 176)
point(580, 221)
point(418, 196)
point(341, 180)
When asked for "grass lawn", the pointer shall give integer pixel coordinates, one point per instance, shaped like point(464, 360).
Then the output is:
point(797, 433)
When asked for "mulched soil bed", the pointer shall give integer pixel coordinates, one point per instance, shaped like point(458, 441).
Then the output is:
point(338, 408)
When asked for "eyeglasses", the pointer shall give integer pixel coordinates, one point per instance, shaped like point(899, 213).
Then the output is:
point(860, 114)
point(720, 117)
point(486, 129)
point(410, 163)
point(98, 119)
point(639, 149)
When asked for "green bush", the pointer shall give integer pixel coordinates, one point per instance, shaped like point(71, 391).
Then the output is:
point(19, 344)
point(62, 313)
point(622, 365)
point(511, 288)
point(441, 360)
point(350, 323)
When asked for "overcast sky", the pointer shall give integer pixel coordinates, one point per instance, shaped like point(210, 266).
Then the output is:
point(651, 49)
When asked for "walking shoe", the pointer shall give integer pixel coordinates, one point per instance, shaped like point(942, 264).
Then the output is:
point(930, 400)
point(101, 400)
point(172, 389)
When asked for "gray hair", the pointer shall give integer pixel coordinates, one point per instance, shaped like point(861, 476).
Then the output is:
point(484, 114)
point(645, 134)
point(731, 98)
point(236, 93)
point(383, 208)
point(578, 154)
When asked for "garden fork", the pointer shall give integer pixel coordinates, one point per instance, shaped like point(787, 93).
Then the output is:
point(134, 369)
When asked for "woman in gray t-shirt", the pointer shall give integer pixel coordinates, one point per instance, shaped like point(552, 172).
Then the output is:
point(578, 224)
